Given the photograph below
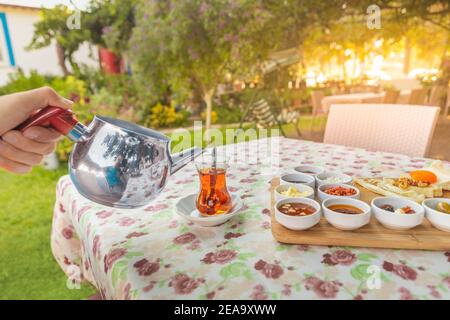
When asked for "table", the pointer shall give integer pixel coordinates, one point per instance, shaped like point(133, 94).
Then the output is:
point(152, 253)
point(364, 97)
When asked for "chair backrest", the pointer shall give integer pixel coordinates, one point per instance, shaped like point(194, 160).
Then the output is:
point(391, 96)
point(447, 103)
point(263, 114)
point(418, 96)
point(404, 129)
point(437, 95)
point(316, 101)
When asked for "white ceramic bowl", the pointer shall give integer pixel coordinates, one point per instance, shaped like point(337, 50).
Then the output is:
point(438, 219)
point(300, 188)
point(309, 170)
point(397, 221)
point(187, 209)
point(343, 178)
point(345, 221)
point(322, 195)
point(306, 179)
point(298, 222)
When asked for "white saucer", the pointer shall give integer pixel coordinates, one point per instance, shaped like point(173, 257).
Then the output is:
point(187, 209)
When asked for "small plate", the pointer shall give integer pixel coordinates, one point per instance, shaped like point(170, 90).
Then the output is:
point(187, 209)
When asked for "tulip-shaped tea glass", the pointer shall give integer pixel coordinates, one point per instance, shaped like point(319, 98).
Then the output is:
point(213, 198)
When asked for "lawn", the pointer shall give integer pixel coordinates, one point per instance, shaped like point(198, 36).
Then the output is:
point(27, 267)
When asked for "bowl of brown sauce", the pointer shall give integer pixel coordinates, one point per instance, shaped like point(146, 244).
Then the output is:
point(297, 213)
point(346, 213)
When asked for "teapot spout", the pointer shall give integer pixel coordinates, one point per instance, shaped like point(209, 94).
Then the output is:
point(180, 159)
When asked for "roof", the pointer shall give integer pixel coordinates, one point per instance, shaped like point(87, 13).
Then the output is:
point(14, 6)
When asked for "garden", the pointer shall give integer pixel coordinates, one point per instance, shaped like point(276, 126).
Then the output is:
point(166, 64)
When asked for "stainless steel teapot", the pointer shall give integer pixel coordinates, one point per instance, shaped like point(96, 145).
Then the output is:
point(114, 162)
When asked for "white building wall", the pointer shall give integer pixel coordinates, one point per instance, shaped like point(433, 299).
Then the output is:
point(21, 29)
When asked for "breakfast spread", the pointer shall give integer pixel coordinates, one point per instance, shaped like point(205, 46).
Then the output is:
point(296, 209)
point(418, 185)
point(343, 208)
point(293, 192)
point(340, 191)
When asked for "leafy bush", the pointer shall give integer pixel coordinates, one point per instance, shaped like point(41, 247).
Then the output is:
point(166, 116)
point(19, 81)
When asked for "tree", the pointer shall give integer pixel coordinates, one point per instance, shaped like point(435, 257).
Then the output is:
point(181, 45)
point(53, 27)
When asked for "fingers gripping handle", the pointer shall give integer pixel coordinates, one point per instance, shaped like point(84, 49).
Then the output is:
point(60, 119)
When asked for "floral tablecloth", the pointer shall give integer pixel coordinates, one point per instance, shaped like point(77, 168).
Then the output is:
point(152, 253)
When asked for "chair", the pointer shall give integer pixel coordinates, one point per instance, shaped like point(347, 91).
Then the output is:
point(418, 97)
point(437, 96)
point(316, 101)
point(391, 96)
point(404, 129)
point(447, 104)
point(265, 117)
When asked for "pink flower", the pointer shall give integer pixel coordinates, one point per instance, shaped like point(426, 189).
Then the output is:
point(96, 245)
point(149, 287)
point(342, 257)
point(269, 270)
point(61, 208)
point(157, 207)
point(434, 293)
point(303, 247)
point(388, 266)
point(146, 268)
point(125, 222)
point(405, 272)
point(183, 284)
point(104, 214)
point(287, 290)
point(447, 281)
point(324, 289)
point(113, 256)
point(231, 235)
point(184, 238)
point(220, 257)
point(210, 295)
point(135, 234)
point(67, 233)
point(258, 293)
point(401, 270)
point(405, 294)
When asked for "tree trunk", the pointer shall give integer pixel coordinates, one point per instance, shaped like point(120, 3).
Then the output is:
point(445, 64)
point(407, 60)
point(62, 59)
point(207, 97)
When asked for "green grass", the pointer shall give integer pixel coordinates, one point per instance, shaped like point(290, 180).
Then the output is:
point(27, 267)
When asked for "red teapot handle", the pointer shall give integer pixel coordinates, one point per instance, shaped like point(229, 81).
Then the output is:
point(61, 120)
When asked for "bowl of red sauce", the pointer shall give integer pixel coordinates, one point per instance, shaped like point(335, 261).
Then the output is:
point(328, 191)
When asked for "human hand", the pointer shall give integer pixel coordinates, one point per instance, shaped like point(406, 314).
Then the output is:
point(19, 152)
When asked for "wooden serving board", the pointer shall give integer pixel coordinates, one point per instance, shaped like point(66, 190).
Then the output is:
point(373, 235)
